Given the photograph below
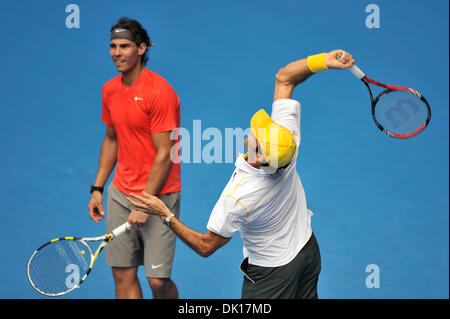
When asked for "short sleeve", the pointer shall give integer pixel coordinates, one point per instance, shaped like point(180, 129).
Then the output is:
point(164, 111)
point(226, 217)
point(106, 116)
point(286, 112)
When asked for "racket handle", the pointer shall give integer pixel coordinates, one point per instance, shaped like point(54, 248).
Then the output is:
point(357, 72)
point(121, 229)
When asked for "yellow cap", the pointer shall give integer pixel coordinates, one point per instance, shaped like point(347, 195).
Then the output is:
point(276, 142)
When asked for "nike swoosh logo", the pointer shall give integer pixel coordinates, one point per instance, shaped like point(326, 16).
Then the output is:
point(157, 266)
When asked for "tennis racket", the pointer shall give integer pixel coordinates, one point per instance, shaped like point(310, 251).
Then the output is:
point(398, 111)
point(63, 264)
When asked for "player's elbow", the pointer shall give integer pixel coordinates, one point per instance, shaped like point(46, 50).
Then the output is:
point(282, 77)
point(205, 253)
point(206, 250)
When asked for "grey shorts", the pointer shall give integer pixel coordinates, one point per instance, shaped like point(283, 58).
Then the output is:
point(152, 245)
point(295, 280)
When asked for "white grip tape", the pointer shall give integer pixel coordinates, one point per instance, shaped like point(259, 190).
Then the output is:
point(121, 229)
point(357, 72)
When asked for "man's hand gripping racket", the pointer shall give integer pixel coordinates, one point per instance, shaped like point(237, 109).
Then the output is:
point(63, 264)
point(397, 111)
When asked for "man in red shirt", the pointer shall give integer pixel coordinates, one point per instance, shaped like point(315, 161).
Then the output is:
point(140, 110)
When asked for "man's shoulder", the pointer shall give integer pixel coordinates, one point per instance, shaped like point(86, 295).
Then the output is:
point(112, 83)
point(157, 80)
point(247, 189)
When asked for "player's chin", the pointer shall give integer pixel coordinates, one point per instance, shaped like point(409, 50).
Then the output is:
point(121, 68)
point(125, 67)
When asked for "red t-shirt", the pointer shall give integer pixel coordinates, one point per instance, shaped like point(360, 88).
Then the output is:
point(149, 106)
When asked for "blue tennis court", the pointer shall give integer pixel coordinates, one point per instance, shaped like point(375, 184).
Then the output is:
point(379, 203)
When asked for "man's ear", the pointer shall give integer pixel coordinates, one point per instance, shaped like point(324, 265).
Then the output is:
point(142, 48)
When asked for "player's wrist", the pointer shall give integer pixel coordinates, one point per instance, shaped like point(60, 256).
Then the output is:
point(166, 212)
point(96, 189)
point(168, 219)
point(317, 62)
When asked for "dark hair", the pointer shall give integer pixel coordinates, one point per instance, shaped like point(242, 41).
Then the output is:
point(139, 33)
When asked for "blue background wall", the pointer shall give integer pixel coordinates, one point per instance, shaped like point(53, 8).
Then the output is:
point(376, 200)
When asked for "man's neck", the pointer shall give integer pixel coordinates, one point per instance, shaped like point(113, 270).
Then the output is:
point(130, 77)
point(252, 162)
point(255, 165)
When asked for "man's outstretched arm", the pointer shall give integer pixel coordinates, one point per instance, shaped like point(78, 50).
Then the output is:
point(203, 244)
point(298, 71)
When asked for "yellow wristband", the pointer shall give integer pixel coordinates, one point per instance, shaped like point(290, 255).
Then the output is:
point(316, 63)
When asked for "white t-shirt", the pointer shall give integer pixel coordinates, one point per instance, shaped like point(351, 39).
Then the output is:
point(267, 206)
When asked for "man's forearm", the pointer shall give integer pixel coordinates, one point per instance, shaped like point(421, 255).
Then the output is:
point(204, 244)
point(195, 240)
point(289, 77)
point(298, 71)
point(158, 174)
point(295, 72)
point(107, 161)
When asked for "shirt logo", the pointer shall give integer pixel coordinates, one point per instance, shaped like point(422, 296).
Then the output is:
point(137, 98)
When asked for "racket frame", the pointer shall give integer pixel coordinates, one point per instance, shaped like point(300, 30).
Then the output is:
point(389, 88)
point(105, 240)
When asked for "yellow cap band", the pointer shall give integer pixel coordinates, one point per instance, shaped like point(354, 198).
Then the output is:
point(316, 63)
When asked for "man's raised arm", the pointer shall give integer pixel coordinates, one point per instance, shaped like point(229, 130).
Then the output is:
point(298, 71)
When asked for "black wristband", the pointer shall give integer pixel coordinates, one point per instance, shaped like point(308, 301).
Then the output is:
point(96, 188)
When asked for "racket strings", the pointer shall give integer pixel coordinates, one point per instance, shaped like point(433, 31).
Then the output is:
point(59, 266)
point(401, 112)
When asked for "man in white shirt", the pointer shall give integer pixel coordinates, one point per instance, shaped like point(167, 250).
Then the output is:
point(264, 199)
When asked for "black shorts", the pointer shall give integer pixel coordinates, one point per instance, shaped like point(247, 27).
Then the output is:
point(295, 280)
